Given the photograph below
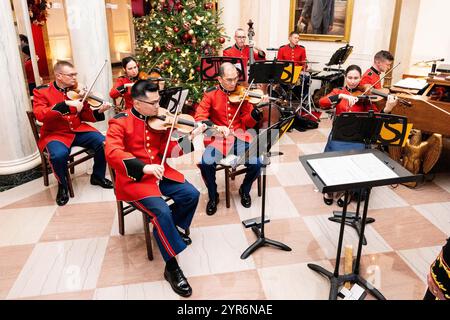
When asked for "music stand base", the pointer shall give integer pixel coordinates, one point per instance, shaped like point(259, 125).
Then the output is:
point(274, 154)
point(351, 220)
point(337, 281)
point(262, 241)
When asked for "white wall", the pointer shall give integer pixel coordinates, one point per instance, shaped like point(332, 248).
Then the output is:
point(431, 39)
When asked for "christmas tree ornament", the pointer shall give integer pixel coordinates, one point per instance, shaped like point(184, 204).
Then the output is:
point(221, 40)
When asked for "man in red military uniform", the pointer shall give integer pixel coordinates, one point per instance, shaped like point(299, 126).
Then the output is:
point(134, 150)
point(215, 108)
point(382, 62)
point(296, 53)
point(64, 127)
point(242, 50)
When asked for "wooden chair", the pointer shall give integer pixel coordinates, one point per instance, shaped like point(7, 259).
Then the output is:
point(230, 174)
point(45, 162)
point(124, 208)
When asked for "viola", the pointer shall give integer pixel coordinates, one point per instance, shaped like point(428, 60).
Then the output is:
point(93, 99)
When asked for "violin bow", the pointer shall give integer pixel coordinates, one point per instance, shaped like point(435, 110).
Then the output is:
point(373, 85)
point(240, 104)
point(93, 82)
point(170, 134)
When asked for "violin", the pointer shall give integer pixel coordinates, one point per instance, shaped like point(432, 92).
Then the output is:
point(93, 99)
point(154, 76)
point(254, 96)
point(379, 93)
point(164, 120)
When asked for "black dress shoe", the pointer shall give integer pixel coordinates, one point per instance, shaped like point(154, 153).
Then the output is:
point(178, 282)
point(185, 237)
point(104, 183)
point(246, 200)
point(211, 206)
point(328, 199)
point(63, 195)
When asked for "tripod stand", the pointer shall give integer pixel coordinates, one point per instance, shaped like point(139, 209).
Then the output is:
point(282, 126)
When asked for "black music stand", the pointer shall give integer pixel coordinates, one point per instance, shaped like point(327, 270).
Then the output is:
point(171, 97)
point(269, 72)
point(260, 147)
point(320, 170)
point(209, 67)
point(340, 56)
point(365, 127)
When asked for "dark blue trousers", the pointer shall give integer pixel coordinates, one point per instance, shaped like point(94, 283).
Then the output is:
point(211, 157)
point(165, 221)
point(59, 154)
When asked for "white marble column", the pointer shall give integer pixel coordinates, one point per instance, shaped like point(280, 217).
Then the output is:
point(231, 18)
point(86, 21)
point(18, 151)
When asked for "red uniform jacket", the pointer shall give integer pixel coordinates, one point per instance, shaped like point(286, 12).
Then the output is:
point(244, 54)
point(130, 145)
point(119, 90)
point(216, 107)
point(370, 77)
point(296, 54)
point(60, 122)
point(29, 71)
point(332, 99)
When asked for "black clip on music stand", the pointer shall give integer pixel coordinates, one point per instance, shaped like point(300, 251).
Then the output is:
point(260, 147)
point(269, 72)
point(365, 127)
point(400, 175)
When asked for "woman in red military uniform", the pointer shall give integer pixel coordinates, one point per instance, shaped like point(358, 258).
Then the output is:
point(134, 151)
point(215, 108)
point(64, 126)
point(122, 87)
point(343, 101)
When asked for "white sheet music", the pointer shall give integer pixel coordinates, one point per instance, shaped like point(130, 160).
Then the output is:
point(351, 169)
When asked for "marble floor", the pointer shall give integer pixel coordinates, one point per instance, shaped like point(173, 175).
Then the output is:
point(76, 252)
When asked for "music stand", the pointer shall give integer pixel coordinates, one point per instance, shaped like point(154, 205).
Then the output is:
point(171, 97)
point(270, 72)
point(366, 127)
point(260, 147)
point(344, 171)
point(209, 67)
point(340, 56)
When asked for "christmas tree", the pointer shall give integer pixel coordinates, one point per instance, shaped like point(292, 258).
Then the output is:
point(174, 37)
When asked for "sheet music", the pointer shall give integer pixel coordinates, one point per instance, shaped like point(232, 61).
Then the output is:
point(411, 83)
point(351, 169)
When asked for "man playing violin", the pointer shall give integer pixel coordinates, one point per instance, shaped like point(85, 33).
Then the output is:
point(64, 127)
point(242, 50)
point(232, 121)
point(134, 150)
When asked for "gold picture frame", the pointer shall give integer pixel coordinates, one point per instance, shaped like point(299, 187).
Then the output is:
point(342, 21)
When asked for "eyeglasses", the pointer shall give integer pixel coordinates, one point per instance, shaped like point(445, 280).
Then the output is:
point(150, 103)
point(230, 80)
point(241, 37)
point(71, 75)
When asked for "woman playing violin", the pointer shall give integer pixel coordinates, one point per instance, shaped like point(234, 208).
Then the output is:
point(123, 83)
point(135, 151)
point(349, 99)
point(229, 117)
